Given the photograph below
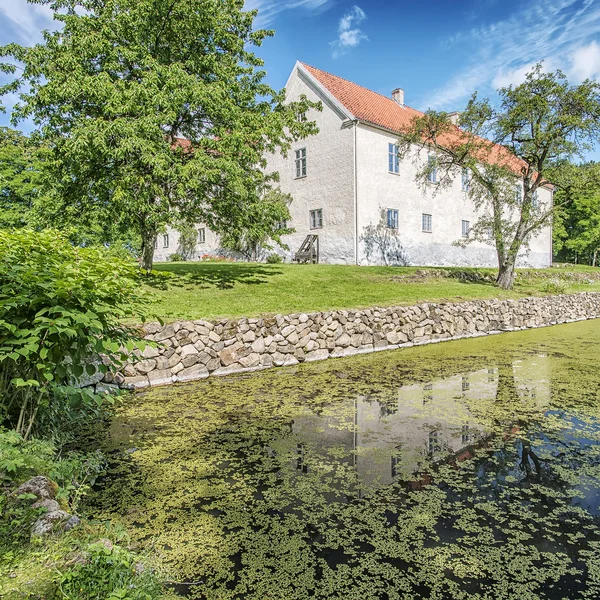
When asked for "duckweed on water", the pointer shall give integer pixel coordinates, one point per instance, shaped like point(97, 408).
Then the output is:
point(464, 470)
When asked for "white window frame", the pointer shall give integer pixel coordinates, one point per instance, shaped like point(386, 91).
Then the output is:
point(465, 228)
point(393, 159)
point(426, 223)
point(432, 175)
point(393, 222)
point(519, 194)
point(202, 235)
point(165, 240)
point(316, 218)
point(465, 180)
point(300, 163)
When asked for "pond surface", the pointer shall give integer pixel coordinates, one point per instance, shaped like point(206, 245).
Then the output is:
point(467, 469)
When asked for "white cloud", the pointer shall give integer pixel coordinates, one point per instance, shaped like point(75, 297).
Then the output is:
point(561, 33)
point(349, 35)
point(585, 62)
point(269, 9)
point(24, 22)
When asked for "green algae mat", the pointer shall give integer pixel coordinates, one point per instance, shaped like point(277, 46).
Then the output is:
point(467, 469)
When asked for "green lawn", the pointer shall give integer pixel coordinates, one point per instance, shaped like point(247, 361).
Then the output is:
point(212, 289)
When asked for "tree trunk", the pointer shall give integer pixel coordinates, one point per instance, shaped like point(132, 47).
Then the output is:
point(595, 258)
point(147, 255)
point(506, 274)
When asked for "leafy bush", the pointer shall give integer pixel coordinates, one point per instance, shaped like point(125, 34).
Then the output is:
point(61, 321)
point(175, 257)
point(108, 572)
point(554, 286)
point(274, 259)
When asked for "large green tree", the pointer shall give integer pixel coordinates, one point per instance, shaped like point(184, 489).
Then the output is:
point(265, 222)
point(520, 142)
point(576, 232)
point(20, 177)
point(155, 110)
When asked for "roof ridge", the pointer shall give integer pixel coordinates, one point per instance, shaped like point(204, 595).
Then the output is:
point(357, 85)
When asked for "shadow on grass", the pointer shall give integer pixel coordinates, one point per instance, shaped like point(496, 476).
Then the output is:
point(205, 275)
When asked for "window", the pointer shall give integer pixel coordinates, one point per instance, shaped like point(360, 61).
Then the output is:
point(166, 240)
point(201, 235)
point(156, 243)
point(316, 218)
point(534, 200)
point(426, 223)
point(395, 461)
point(519, 195)
point(393, 160)
point(466, 178)
point(465, 434)
point(432, 174)
point(489, 232)
point(301, 163)
point(281, 225)
point(301, 117)
point(466, 226)
point(433, 444)
point(392, 218)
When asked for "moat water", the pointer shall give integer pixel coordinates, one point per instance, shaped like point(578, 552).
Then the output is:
point(467, 469)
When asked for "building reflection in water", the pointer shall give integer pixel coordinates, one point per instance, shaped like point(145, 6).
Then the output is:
point(394, 437)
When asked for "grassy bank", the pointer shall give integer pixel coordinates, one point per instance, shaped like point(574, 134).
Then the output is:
point(214, 289)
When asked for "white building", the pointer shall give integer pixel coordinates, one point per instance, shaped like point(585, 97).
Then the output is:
point(364, 204)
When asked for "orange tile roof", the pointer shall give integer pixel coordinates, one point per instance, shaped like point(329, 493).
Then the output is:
point(370, 107)
point(365, 104)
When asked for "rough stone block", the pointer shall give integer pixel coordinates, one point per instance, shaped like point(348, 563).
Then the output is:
point(192, 373)
point(162, 377)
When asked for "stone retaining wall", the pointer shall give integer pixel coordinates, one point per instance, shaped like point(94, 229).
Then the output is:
point(189, 350)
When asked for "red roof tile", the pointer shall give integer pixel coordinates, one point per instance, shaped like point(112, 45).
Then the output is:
point(365, 104)
point(371, 107)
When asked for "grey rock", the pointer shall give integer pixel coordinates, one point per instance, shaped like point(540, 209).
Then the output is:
point(160, 377)
point(145, 366)
point(41, 487)
point(166, 333)
point(193, 373)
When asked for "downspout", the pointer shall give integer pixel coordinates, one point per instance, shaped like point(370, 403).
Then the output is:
point(355, 197)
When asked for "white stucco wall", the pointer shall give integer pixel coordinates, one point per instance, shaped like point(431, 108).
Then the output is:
point(378, 189)
point(210, 246)
point(329, 182)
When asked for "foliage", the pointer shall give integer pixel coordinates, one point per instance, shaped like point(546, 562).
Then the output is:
point(274, 259)
point(188, 238)
point(175, 257)
point(576, 226)
point(554, 286)
point(114, 87)
point(109, 572)
point(281, 487)
point(61, 322)
point(537, 126)
point(21, 177)
point(264, 221)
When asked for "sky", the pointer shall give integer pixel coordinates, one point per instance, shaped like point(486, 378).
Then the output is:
point(439, 52)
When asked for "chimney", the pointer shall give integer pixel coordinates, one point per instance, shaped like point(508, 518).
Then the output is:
point(453, 117)
point(398, 96)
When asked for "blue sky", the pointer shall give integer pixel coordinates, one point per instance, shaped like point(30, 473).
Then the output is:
point(438, 51)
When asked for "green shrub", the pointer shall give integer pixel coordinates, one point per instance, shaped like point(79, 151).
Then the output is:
point(175, 257)
point(274, 259)
point(108, 572)
point(554, 286)
point(61, 320)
